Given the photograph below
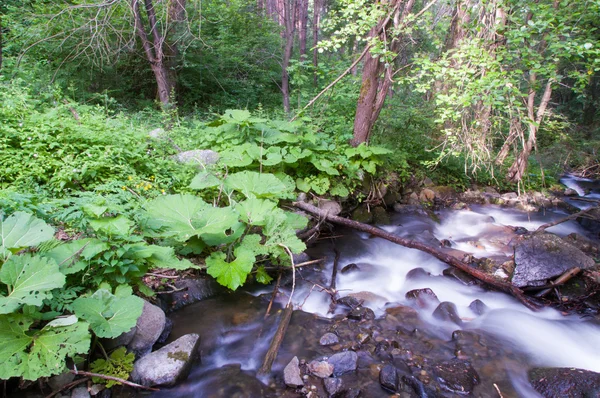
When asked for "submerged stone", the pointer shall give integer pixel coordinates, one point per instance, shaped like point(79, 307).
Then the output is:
point(343, 362)
point(388, 378)
point(565, 382)
point(456, 376)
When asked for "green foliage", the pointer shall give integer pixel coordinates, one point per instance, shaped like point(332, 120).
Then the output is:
point(21, 230)
point(109, 315)
point(119, 364)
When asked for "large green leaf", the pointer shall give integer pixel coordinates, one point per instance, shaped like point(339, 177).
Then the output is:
point(30, 280)
point(236, 115)
point(109, 315)
point(280, 234)
point(204, 180)
point(112, 226)
point(231, 274)
point(253, 211)
point(253, 184)
point(41, 353)
point(73, 256)
point(22, 230)
point(184, 216)
point(158, 256)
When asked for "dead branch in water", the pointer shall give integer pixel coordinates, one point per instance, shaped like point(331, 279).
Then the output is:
point(559, 281)
point(562, 220)
point(446, 258)
point(265, 368)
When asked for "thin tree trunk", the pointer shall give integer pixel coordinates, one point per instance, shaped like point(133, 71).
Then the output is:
point(316, 19)
point(517, 169)
point(1, 42)
point(303, 24)
point(289, 19)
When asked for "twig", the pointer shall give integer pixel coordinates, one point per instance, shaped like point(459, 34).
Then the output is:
point(332, 287)
point(68, 386)
point(273, 296)
point(446, 258)
point(559, 281)
point(162, 276)
point(498, 390)
point(265, 368)
point(562, 220)
point(117, 379)
point(585, 199)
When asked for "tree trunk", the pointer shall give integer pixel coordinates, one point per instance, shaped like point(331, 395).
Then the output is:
point(0, 42)
point(289, 19)
point(316, 19)
point(517, 169)
point(375, 83)
point(154, 50)
point(303, 22)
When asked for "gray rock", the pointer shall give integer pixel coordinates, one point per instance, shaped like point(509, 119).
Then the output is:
point(545, 256)
point(166, 331)
point(570, 192)
point(423, 297)
point(205, 157)
point(343, 362)
point(58, 381)
point(193, 290)
point(291, 374)
point(157, 133)
point(97, 389)
point(122, 340)
point(361, 314)
point(388, 378)
point(320, 369)
point(80, 392)
point(456, 376)
point(332, 207)
point(333, 385)
point(565, 382)
point(329, 339)
point(478, 307)
point(350, 268)
point(169, 365)
point(149, 327)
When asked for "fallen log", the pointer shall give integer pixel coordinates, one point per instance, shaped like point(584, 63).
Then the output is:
point(573, 216)
point(440, 255)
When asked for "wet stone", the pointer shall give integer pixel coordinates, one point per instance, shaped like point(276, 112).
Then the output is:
point(478, 307)
point(456, 376)
point(446, 311)
point(416, 273)
point(320, 369)
point(565, 382)
point(329, 339)
point(291, 374)
point(343, 362)
point(351, 302)
point(350, 268)
point(423, 297)
point(460, 276)
point(388, 378)
point(333, 385)
point(361, 314)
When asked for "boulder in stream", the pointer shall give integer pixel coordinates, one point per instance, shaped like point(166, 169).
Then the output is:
point(565, 382)
point(148, 329)
point(343, 362)
point(169, 365)
point(456, 376)
point(545, 256)
point(291, 374)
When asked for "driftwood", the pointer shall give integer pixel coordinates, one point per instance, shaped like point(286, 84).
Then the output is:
point(265, 368)
point(117, 379)
point(440, 255)
point(559, 281)
point(562, 220)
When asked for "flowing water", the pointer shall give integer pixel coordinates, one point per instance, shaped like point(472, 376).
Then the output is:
point(502, 342)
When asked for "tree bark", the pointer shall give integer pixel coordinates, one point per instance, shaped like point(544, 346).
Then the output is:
point(302, 27)
point(315, 27)
point(1, 42)
point(376, 78)
point(446, 258)
point(289, 19)
point(154, 50)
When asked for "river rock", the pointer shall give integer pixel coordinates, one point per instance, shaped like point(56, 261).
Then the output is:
point(362, 214)
point(58, 381)
point(169, 365)
point(565, 382)
point(361, 314)
point(478, 307)
point(447, 311)
point(329, 339)
point(80, 392)
point(460, 276)
point(544, 256)
point(333, 385)
point(343, 362)
point(320, 369)
point(423, 297)
point(229, 381)
point(331, 207)
point(205, 157)
point(350, 268)
point(456, 376)
point(192, 291)
point(427, 195)
point(148, 329)
point(291, 374)
point(388, 378)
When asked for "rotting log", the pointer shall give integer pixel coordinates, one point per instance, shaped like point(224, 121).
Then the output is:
point(440, 255)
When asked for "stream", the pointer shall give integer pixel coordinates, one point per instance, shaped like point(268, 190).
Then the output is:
point(499, 337)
